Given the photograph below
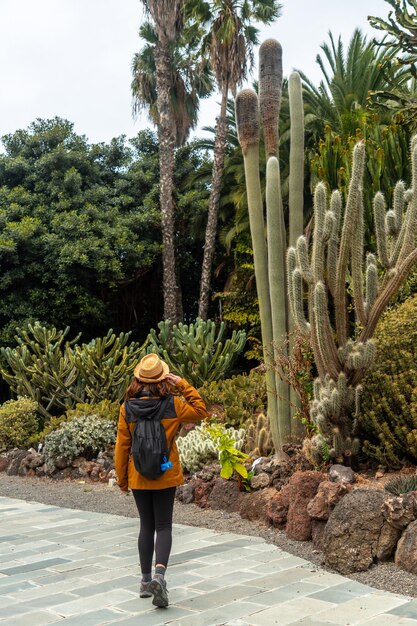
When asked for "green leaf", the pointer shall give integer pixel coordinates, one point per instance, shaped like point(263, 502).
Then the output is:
point(241, 469)
point(227, 470)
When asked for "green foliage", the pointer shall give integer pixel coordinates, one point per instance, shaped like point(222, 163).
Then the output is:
point(82, 436)
point(236, 399)
point(198, 352)
point(77, 224)
point(402, 484)
point(80, 239)
point(199, 446)
point(388, 417)
point(401, 25)
point(18, 423)
point(105, 409)
point(258, 436)
point(231, 459)
point(58, 375)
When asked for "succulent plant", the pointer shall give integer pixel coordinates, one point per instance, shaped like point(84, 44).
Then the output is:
point(269, 252)
point(199, 352)
point(198, 447)
point(402, 484)
point(344, 352)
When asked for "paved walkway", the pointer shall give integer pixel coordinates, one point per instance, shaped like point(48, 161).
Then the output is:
point(76, 568)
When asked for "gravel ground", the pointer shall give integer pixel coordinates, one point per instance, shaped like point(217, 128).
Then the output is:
point(104, 499)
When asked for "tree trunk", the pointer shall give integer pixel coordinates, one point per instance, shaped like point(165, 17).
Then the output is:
point(213, 207)
point(166, 171)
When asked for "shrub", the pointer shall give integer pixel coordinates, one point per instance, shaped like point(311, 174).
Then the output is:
point(388, 417)
point(104, 410)
point(18, 423)
point(238, 398)
point(82, 436)
point(199, 446)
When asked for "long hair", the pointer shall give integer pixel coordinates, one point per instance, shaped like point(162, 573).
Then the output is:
point(159, 390)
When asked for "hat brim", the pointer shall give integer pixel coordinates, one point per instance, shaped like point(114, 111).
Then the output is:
point(144, 379)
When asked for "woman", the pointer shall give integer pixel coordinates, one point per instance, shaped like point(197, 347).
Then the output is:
point(149, 397)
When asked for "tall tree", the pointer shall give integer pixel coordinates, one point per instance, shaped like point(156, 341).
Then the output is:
point(349, 78)
point(167, 18)
point(191, 78)
point(228, 44)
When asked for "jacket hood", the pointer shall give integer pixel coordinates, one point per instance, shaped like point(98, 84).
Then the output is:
point(148, 408)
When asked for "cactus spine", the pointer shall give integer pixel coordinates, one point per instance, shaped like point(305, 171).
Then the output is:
point(343, 351)
point(269, 258)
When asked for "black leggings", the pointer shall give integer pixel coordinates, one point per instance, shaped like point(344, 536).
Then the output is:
point(155, 508)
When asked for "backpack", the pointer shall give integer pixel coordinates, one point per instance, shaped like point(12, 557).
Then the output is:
point(150, 450)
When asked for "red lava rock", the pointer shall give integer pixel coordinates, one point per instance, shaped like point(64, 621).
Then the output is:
point(326, 498)
point(302, 488)
point(277, 509)
point(317, 533)
point(224, 495)
point(254, 506)
point(201, 493)
point(4, 463)
point(406, 554)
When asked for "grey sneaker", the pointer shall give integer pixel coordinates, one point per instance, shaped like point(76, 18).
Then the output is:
point(144, 591)
point(158, 588)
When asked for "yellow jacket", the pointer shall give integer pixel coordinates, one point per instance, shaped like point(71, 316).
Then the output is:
point(128, 477)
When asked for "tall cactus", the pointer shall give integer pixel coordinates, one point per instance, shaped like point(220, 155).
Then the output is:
point(343, 348)
point(269, 255)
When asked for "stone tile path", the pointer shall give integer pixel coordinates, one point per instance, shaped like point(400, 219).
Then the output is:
point(75, 568)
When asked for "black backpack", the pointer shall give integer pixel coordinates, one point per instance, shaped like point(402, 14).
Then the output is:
point(150, 450)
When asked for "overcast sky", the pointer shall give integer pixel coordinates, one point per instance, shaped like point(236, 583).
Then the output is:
point(72, 58)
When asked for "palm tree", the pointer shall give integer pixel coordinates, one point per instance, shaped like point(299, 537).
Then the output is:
point(167, 19)
point(343, 96)
point(228, 44)
point(190, 80)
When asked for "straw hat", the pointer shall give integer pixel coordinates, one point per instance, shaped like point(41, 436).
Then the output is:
point(151, 369)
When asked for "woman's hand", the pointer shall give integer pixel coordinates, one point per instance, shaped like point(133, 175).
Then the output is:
point(173, 379)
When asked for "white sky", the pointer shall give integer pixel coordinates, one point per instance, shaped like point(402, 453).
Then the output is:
point(72, 58)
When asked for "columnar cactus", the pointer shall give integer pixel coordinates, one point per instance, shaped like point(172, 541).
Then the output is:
point(269, 255)
point(343, 348)
point(258, 437)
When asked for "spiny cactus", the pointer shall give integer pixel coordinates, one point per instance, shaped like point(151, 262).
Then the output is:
point(344, 351)
point(198, 447)
point(258, 437)
point(269, 256)
point(198, 352)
